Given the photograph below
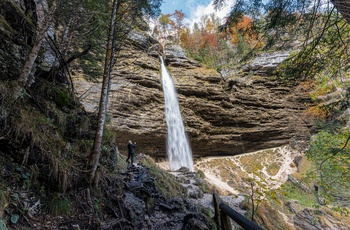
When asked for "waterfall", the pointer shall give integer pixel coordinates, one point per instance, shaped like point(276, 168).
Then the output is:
point(178, 147)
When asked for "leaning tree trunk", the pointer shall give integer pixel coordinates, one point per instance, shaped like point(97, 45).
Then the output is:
point(66, 36)
point(107, 75)
point(44, 23)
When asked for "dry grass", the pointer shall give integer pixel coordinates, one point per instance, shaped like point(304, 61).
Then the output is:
point(252, 163)
point(36, 128)
point(273, 168)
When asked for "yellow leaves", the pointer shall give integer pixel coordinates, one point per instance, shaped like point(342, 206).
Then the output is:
point(322, 90)
point(164, 20)
point(318, 112)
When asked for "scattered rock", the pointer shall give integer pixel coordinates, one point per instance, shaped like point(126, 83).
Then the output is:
point(299, 184)
point(149, 209)
point(194, 222)
point(293, 206)
point(183, 169)
point(136, 209)
point(196, 194)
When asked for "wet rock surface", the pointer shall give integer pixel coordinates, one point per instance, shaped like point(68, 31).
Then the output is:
point(148, 209)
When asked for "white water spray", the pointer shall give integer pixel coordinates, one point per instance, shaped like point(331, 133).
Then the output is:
point(178, 147)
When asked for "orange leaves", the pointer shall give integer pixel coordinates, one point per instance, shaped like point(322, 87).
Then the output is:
point(243, 29)
point(201, 40)
point(208, 39)
point(203, 37)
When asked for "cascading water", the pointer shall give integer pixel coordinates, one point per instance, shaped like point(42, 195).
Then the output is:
point(178, 147)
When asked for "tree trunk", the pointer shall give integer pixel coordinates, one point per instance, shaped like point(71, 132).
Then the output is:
point(66, 35)
point(252, 199)
point(107, 75)
point(44, 23)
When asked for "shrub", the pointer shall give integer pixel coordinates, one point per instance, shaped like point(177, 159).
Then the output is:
point(58, 206)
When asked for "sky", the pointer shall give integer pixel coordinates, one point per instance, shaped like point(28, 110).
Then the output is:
point(169, 6)
point(194, 9)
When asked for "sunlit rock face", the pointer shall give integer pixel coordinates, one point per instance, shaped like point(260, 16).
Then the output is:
point(222, 117)
point(266, 63)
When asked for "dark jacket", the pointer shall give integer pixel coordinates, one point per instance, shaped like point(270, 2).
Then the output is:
point(131, 148)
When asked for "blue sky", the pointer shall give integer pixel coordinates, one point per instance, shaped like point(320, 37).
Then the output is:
point(194, 9)
point(187, 6)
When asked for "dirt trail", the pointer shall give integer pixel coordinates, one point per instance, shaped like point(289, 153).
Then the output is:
point(218, 183)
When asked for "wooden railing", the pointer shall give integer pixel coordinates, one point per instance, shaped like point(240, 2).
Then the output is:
point(223, 213)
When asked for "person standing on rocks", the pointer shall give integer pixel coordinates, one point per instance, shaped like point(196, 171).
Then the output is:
point(131, 152)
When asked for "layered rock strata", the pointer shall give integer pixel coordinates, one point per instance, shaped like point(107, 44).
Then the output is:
point(222, 116)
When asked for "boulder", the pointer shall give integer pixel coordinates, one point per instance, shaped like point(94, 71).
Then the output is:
point(265, 63)
point(194, 222)
point(175, 56)
point(293, 206)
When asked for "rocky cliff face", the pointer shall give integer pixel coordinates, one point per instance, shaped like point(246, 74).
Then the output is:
point(222, 116)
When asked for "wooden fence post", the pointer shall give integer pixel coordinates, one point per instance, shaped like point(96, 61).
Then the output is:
point(225, 221)
point(216, 204)
point(221, 219)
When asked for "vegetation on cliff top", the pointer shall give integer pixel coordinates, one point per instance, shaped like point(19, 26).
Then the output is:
point(46, 136)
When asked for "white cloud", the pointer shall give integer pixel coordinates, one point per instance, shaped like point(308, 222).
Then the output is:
point(201, 10)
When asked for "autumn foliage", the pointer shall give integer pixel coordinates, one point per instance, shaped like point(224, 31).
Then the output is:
point(244, 30)
point(205, 42)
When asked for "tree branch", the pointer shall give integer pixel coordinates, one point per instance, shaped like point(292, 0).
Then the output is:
point(334, 154)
